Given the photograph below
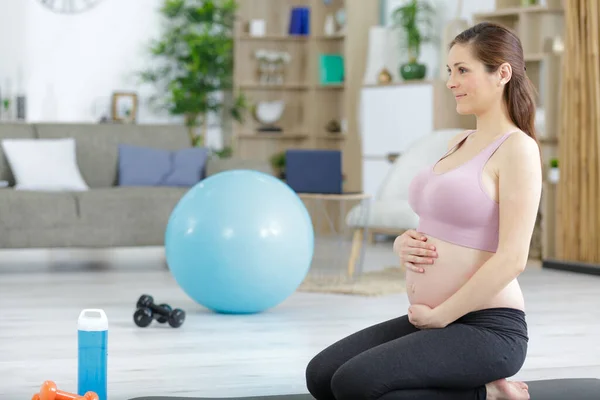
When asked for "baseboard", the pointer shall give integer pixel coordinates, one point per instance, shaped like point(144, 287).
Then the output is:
point(572, 266)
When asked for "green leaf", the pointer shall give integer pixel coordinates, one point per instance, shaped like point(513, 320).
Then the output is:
point(414, 19)
point(192, 59)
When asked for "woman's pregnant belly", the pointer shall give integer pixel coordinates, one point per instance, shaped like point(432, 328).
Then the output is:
point(453, 267)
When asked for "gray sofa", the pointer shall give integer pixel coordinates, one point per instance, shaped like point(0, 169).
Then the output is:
point(107, 215)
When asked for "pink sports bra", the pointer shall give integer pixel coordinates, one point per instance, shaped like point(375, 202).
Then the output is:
point(453, 206)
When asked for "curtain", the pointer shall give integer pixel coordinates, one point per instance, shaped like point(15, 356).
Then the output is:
point(578, 190)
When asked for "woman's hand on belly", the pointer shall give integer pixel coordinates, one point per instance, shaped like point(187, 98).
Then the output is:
point(414, 251)
point(425, 317)
point(454, 266)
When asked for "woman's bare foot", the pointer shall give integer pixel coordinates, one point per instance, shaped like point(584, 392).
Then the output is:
point(507, 390)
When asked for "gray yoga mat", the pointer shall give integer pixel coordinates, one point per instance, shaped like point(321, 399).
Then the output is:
point(551, 389)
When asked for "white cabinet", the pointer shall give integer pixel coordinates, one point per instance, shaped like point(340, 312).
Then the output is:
point(391, 118)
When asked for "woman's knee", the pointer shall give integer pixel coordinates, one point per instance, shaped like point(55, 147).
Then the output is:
point(318, 377)
point(513, 358)
point(351, 381)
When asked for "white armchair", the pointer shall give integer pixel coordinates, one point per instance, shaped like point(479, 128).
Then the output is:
point(389, 212)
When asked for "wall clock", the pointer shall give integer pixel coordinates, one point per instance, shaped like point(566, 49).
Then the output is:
point(69, 6)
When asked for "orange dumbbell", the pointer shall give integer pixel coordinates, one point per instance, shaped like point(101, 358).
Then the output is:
point(48, 391)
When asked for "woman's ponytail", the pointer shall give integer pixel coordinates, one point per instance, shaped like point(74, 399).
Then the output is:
point(520, 101)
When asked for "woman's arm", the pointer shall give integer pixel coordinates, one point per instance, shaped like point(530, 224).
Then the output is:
point(520, 186)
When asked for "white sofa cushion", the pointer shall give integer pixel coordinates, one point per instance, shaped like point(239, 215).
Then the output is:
point(396, 215)
point(44, 164)
point(421, 153)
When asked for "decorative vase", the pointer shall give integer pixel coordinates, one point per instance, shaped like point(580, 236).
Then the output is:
point(329, 27)
point(333, 126)
point(553, 175)
point(268, 113)
point(382, 54)
point(413, 70)
point(384, 77)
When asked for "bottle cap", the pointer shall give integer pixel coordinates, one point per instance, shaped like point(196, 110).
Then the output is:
point(92, 320)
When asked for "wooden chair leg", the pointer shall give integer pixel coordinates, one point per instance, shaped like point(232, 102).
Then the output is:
point(357, 240)
point(371, 238)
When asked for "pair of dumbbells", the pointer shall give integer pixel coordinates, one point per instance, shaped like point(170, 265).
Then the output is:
point(48, 391)
point(148, 311)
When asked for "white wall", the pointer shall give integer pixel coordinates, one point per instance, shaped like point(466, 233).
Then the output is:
point(75, 62)
point(12, 42)
point(71, 64)
point(445, 11)
point(447, 8)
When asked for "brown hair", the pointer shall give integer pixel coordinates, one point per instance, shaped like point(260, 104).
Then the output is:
point(494, 44)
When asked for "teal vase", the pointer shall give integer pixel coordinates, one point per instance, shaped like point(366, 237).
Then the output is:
point(413, 70)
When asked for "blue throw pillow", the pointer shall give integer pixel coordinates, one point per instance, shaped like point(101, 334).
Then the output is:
point(145, 166)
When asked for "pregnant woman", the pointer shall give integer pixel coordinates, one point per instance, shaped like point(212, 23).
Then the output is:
point(465, 331)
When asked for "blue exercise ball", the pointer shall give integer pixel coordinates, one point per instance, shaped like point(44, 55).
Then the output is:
point(239, 242)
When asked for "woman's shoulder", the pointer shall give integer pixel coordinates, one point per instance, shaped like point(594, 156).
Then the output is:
point(521, 143)
point(519, 147)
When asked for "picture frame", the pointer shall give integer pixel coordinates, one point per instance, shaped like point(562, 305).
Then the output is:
point(124, 107)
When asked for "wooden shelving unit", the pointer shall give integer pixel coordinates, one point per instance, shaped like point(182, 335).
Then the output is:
point(310, 106)
point(537, 26)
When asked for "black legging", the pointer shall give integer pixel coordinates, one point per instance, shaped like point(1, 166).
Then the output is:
point(394, 360)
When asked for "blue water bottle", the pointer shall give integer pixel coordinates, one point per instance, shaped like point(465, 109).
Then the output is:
point(92, 340)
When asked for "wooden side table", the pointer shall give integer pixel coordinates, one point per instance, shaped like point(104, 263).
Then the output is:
point(359, 237)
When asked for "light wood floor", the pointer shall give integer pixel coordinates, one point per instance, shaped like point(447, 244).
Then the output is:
point(42, 293)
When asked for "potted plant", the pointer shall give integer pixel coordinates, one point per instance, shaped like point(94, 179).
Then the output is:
point(225, 152)
point(192, 63)
point(414, 20)
point(278, 164)
point(553, 172)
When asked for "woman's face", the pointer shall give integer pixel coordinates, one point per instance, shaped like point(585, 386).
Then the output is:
point(475, 90)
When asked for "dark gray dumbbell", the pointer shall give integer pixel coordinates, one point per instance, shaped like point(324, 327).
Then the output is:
point(147, 311)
